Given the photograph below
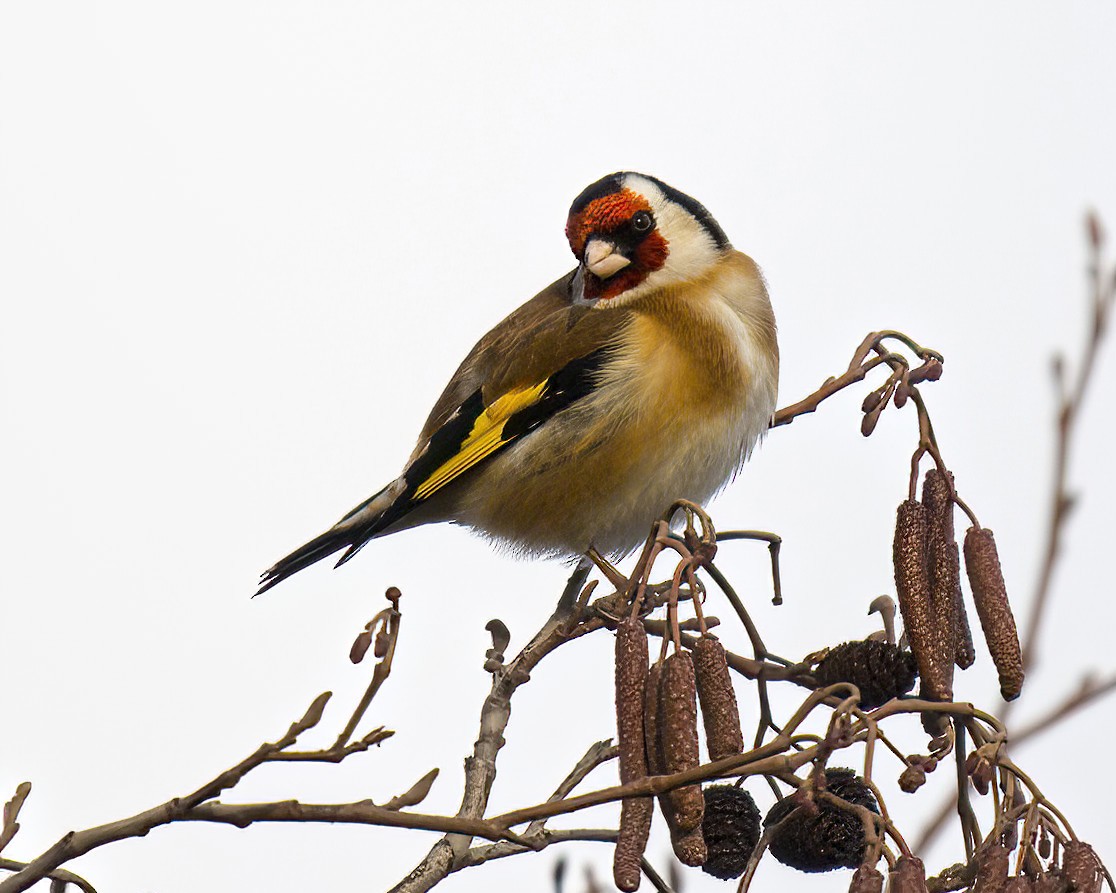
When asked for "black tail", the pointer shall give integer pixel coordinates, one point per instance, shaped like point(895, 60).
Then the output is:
point(369, 519)
point(333, 540)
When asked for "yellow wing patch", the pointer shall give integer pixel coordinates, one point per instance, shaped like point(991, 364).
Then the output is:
point(486, 436)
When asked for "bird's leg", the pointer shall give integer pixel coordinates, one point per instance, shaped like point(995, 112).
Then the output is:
point(617, 579)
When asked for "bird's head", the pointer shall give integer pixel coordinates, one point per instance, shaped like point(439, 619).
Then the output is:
point(633, 235)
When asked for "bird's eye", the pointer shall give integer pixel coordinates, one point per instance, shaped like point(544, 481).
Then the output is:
point(642, 221)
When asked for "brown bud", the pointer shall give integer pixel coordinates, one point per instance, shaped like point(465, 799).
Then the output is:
point(360, 646)
point(908, 876)
point(912, 778)
point(383, 642)
point(992, 869)
point(902, 393)
point(932, 369)
point(871, 401)
point(678, 737)
point(718, 701)
point(635, 812)
point(945, 565)
point(979, 771)
point(866, 879)
point(990, 594)
point(868, 422)
point(912, 584)
point(1082, 867)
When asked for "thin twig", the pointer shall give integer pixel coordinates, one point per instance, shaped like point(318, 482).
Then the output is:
point(59, 875)
point(598, 753)
point(1101, 299)
point(480, 768)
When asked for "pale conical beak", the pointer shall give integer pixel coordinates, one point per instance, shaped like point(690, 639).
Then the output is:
point(603, 260)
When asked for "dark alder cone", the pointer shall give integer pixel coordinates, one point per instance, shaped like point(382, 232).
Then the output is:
point(731, 828)
point(866, 879)
point(990, 594)
point(829, 838)
point(992, 869)
point(908, 876)
point(678, 737)
point(880, 670)
point(912, 585)
point(1082, 867)
point(635, 812)
point(718, 701)
point(945, 566)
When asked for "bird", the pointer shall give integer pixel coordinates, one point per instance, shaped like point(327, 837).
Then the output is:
point(645, 375)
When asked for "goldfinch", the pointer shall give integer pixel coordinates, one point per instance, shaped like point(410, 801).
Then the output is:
point(646, 374)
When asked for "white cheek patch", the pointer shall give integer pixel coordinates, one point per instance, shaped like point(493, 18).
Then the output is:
point(691, 250)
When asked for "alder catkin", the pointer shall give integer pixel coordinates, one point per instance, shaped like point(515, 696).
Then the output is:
point(719, 711)
point(631, 841)
point(912, 585)
point(908, 876)
point(986, 577)
point(1053, 880)
point(631, 678)
point(635, 812)
point(945, 565)
point(1082, 867)
point(992, 869)
point(651, 739)
point(866, 879)
point(651, 733)
point(689, 846)
point(678, 737)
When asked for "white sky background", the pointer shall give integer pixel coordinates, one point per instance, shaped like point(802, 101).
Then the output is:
point(242, 246)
